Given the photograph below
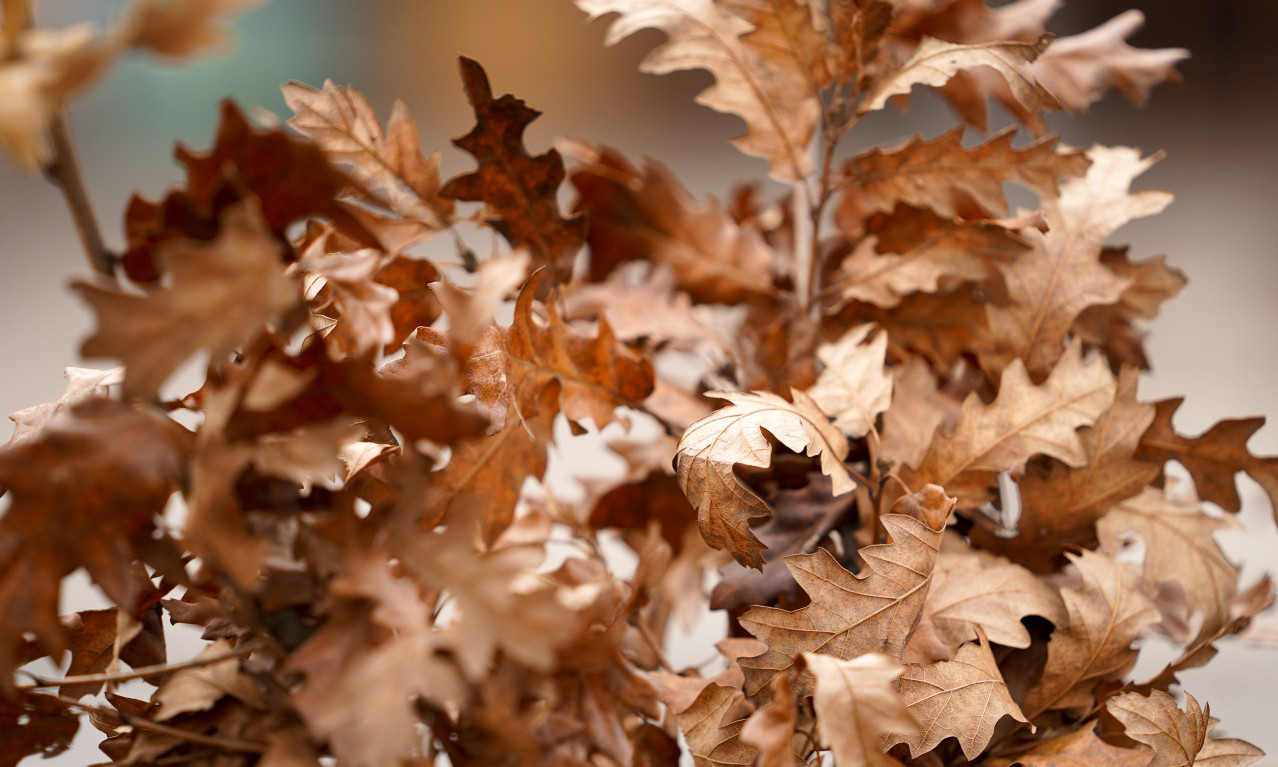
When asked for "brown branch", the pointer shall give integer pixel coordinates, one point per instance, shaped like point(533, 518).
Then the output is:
point(226, 744)
point(64, 171)
point(137, 673)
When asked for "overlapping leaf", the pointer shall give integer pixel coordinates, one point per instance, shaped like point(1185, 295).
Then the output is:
point(857, 704)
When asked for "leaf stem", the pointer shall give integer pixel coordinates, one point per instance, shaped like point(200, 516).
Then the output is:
point(137, 673)
point(64, 171)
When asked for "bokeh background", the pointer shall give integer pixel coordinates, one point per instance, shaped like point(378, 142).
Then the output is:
point(1217, 343)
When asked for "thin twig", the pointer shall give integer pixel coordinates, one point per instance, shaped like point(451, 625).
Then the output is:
point(226, 744)
point(137, 673)
point(64, 170)
point(646, 633)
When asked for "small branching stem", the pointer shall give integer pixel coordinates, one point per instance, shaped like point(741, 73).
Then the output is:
point(137, 673)
point(64, 171)
point(226, 744)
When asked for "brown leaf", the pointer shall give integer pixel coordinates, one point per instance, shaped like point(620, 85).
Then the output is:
point(197, 689)
point(962, 698)
point(1082, 748)
point(596, 374)
point(342, 287)
point(855, 386)
point(654, 312)
point(918, 409)
point(1024, 420)
point(1112, 328)
point(1179, 547)
point(83, 384)
point(220, 296)
point(84, 492)
point(852, 615)
point(767, 87)
point(936, 61)
point(770, 729)
point(178, 27)
point(1213, 457)
point(857, 704)
point(939, 327)
point(1044, 303)
point(971, 588)
point(1060, 505)
point(712, 743)
point(1106, 612)
point(947, 254)
point(928, 174)
point(34, 723)
point(1175, 736)
point(1079, 69)
point(712, 447)
point(646, 215)
point(518, 190)
point(343, 123)
point(415, 303)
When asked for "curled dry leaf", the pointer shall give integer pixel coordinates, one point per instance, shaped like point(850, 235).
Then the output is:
point(855, 385)
point(712, 742)
point(222, 294)
point(735, 435)
point(770, 729)
point(1178, 737)
point(764, 86)
point(936, 61)
point(857, 703)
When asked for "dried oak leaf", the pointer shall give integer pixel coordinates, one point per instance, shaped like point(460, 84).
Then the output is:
point(82, 384)
point(855, 386)
point(971, 588)
point(711, 742)
point(962, 698)
point(34, 723)
point(940, 327)
point(1080, 68)
point(944, 253)
point(935, 62)
point(518, 190)
point(856, 704)
point(1178, 738)
point(85, 492)
point(344, 125)
point(415, 303)
point(928, 174)
point(1022, 421)
point(199, 688)
point(596, 374)
point(1060, 504)
point(1061, 275)
point(852, 615)
point(918, 409)
point(1213, 457)
point(291, 179)
point(711, 448)
point(1106, 612)
point(221, 295)
point(1111, 328)
point(1179, 547)
point(341, 287)
point(638, 215)
point(652, 312)
point(1082, 748)
point(766, 86)
point(178, 27)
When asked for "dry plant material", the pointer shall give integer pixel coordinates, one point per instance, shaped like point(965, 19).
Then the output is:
point(897, 423)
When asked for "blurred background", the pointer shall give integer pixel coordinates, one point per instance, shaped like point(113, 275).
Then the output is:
point(1217, 343)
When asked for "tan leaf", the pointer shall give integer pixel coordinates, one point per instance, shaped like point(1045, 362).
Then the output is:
point(1106, 612)
point(971, 588)
point(855, 386)
point(712, 743)
point(222, 293)
point(1175, 736)
point(1079, 69)
point(1060, 505)
point(917, 411)
point(342, 287)
point(771, 93)
point(646, 215)
point(1214, 457)
point(653, 312)
point(471, 312)
point(1061, 275)
point(1024, 420)
point(957, 252)
point(738, 435)
point(343, 123)
point(83, 384)
point(1082, 748)
point(927, 174)
point(1113, 327)
point(197, 689)
point(936, 61)
point(962, 698)
point(856, 704)
point(851, 615)
point(178, 27)
point(1179, 546)
point(770, 729)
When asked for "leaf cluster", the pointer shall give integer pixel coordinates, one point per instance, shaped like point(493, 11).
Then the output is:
point(894, 423)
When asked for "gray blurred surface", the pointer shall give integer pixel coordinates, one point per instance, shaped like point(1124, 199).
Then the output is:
point(1216, 343)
